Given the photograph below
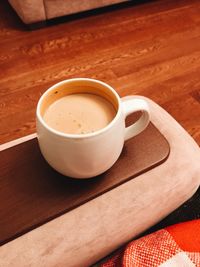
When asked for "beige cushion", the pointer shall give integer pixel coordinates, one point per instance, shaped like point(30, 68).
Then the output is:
point(93, 230)
point(56, 8)
point(30, 11)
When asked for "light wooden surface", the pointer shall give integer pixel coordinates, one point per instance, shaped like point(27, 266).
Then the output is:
point(152, 49)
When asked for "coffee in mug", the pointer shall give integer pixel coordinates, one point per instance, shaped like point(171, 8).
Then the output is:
point(79, 113)
point(81, 126)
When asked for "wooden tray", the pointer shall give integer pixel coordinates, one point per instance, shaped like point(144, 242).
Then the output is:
point(32, 193)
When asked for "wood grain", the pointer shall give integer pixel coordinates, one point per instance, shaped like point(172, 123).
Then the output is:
point(152, 49)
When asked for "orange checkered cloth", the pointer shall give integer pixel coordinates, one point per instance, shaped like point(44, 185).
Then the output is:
point(173, 246)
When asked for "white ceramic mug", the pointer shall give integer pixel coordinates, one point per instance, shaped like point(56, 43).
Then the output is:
point(88, 155)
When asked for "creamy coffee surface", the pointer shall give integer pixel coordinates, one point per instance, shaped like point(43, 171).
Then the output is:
point(79, 113)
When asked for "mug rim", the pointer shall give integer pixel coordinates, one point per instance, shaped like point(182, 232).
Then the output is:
point(77, 136)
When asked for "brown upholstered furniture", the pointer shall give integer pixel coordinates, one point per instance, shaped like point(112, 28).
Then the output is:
point(34, 11)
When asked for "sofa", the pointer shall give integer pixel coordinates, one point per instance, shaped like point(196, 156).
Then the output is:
point(36, 11)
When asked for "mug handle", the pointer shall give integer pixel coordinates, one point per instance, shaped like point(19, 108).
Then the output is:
point(130, 106)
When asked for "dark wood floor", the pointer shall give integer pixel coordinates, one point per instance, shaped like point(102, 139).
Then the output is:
point(152, 49)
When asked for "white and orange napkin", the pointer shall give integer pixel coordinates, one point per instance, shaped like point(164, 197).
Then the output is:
point(173, 246)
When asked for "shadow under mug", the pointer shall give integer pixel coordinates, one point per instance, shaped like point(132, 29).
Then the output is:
point(88, 155)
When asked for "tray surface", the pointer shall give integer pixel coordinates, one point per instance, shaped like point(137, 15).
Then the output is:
point(32, 193)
